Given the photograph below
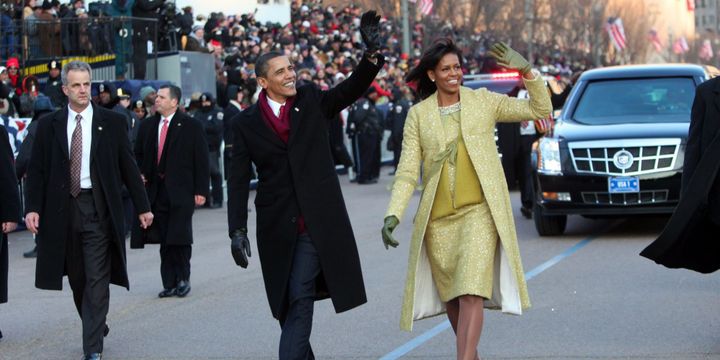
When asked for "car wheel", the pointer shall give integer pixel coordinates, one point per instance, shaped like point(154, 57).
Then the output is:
point(548, 225)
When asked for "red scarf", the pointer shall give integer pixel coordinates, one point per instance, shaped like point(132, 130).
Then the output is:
point(281, 124)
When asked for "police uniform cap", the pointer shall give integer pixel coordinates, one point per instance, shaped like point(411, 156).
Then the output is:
point(138, 104)
point(123, 94)
point(54, 64)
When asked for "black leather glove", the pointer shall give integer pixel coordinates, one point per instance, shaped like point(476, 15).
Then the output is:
point(390, 223)
point(370, 31)
point(240, 247)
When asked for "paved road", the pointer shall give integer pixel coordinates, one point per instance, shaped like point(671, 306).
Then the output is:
point(593, 298)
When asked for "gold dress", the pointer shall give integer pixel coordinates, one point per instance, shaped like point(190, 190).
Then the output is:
point(461, 236)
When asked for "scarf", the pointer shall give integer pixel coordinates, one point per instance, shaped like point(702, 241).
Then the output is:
point(280, 125)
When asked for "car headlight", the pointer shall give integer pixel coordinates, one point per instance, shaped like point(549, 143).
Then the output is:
point(548, 161)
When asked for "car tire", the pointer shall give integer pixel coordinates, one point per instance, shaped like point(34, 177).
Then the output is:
point(548, 225)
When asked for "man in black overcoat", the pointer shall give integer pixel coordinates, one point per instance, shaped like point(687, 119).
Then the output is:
point(9, 208)
point(172, 154)
point(690, 238)
point(81, 158)
point(304, 237)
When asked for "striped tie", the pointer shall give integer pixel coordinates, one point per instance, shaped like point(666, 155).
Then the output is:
point(76, 157)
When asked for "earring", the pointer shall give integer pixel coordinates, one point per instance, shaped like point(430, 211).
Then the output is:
point(433, 80)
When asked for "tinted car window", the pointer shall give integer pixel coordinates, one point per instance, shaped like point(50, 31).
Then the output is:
point(636, 101)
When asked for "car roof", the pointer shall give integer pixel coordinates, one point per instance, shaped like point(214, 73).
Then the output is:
point(633, 71)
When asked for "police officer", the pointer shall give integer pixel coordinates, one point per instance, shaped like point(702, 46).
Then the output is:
point(107, 96)
point(212, 118)
point(123, 107)
point(396, 122)
point(365, 130)
point(53, 87)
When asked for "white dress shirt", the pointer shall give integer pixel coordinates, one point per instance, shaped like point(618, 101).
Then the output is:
point(160, 124)
point(275, 106)
point(86, 123)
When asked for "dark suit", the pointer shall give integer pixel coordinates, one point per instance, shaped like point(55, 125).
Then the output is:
point(689, 239)
point(298, 179)
point(9, 206)
point(184, 172)
point(83, 237)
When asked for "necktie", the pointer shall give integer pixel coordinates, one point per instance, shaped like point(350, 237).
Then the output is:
point(163, 135)
point(76, 157)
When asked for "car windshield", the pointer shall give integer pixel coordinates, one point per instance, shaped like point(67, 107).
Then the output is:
point(636, 101)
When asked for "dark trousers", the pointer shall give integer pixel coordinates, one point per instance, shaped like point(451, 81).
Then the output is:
point(369, 146)
point(227, 155)
point(216, 180)
point(88, 267)
point(4, 261)
point(297, 323)
point(525, 170)
point(142, 32)
point(174, 259)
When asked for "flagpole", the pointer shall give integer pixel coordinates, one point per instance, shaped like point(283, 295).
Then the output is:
point(406, 27)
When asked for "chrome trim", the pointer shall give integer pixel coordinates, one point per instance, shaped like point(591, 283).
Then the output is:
point(599, 197)
point(640, 145)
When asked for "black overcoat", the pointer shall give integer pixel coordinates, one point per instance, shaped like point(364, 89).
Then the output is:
point(9, 205)
point(184, 164)
point(690, 238)
point(48, 190)
point(299, 178)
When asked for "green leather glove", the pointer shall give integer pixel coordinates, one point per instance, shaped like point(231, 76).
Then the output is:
point(509, 58)
point(390, 223)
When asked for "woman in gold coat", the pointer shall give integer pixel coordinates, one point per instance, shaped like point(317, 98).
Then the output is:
point(463, 254)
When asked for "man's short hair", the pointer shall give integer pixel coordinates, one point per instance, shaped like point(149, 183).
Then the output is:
point(175, 92)
point(262, 65)
point(75, 65)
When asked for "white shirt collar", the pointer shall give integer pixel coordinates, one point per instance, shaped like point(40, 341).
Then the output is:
point(86, 114)
point(275, 106)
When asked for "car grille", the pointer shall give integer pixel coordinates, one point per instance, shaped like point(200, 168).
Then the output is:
point(642, 156)
point(642, 197)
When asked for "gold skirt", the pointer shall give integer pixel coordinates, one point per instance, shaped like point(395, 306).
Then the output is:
point(461, 251)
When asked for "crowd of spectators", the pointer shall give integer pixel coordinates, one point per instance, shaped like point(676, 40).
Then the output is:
point(323, 42)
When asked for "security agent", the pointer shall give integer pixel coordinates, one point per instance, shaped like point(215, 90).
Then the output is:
point(53, 87)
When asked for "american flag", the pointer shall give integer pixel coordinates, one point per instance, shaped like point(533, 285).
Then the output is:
point(616, 32)
point(680, 46)
point(655, 40)
point(706, 51)
point(426, 7)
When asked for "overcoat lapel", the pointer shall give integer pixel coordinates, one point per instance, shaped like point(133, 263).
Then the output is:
point(716, 99)
point(261, 128)
point(97, 126)
point(436, 127)
point(60, 127)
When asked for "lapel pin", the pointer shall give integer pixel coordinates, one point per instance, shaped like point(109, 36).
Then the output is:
point(99, 128)
point(296, 109)
point(179, 124)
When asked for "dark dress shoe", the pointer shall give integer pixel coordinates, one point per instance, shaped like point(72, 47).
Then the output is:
point(526, 212)
point(106, 331)
point(93, 356)
point(168, 293)
point(183, 288)
point(31, 253)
